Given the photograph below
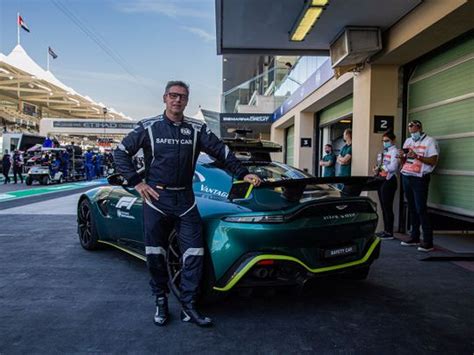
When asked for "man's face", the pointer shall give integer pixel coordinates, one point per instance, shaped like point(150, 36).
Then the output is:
point(412, 128)
point(176, 99)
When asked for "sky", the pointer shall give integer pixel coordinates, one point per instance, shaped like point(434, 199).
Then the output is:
point(154, 40)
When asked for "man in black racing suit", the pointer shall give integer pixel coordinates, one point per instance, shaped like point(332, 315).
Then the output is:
point(171, 144)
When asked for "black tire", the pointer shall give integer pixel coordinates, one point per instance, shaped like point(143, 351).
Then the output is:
point(28, 181)
point(174, 266)
point(357, 274)
point(86, 228)
point(45, 180)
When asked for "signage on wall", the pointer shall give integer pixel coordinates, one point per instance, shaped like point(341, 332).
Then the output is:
point(108, 125)
point(246, 117)
point(383, 123)
point(305, 142)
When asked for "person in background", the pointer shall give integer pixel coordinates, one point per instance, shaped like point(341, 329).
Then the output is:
point(328, 162)
point(418, 158)
point(387, 169)
point(345, 156)
point(6, 165)
point(98, 165)
point(48, 143)
point(65, 164)
point(88, 164)
point(17, 165)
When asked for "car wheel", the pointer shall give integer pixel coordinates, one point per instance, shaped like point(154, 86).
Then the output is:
point(86, 226)
point(174, 266)
point(45, 180)
point(28, 181)
point(358, 274)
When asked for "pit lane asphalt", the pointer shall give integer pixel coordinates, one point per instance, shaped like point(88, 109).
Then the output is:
point(56, 297)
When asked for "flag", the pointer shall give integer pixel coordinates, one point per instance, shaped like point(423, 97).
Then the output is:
point(22, 24)
point(51, 53)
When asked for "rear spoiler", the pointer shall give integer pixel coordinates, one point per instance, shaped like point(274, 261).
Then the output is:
point(294, 188)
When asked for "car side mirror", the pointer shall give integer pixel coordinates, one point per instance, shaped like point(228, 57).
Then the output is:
point(116, 180)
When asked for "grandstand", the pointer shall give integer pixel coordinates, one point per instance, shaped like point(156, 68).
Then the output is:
point(29, 93)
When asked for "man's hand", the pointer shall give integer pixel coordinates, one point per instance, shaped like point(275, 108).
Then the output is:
point(253, 179)
point(146, 191)
point(411, 154)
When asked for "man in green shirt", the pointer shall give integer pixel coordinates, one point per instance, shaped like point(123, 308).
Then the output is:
point(328, 162)
point(345, 156)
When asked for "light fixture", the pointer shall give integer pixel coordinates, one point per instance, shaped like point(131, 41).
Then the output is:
point(307, 18)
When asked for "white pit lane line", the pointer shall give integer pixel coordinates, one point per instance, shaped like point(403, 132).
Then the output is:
point(66, 205)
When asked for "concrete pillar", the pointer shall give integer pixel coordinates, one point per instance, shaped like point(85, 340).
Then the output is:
point(304, 128)
point(375, 93)
point(278, 136)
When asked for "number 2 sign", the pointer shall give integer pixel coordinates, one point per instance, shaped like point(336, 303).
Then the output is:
point(383, 123)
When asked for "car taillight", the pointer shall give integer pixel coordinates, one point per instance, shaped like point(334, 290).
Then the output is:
point(266, 262)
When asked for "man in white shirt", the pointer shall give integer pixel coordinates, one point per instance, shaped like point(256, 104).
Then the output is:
point(418, 159)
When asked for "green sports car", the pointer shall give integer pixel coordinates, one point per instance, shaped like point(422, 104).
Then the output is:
point(292, 228)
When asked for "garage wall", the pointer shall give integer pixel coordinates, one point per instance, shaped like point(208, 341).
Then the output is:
point(441, 96)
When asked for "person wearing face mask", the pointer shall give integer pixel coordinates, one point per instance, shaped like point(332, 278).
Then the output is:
point(328, 162)
point(418, 158)
point(345, 156)
point(387, 169)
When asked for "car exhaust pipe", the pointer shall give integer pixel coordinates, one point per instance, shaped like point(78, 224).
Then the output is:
point(261, 273)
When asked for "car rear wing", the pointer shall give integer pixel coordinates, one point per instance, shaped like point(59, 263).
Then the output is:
point(293, 188)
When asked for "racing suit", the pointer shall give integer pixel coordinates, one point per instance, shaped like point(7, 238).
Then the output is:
point(171, 150)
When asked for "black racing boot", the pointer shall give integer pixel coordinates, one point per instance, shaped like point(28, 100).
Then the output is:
point(162, 313)
point(190, 314)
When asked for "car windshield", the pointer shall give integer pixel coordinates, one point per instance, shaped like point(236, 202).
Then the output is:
point(274, 171)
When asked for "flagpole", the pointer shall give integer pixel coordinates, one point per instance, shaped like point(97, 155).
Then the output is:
point(47, 58)
point(18, 27)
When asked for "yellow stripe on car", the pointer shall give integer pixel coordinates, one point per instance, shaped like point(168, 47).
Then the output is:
point(141, 257)
point(236, 277)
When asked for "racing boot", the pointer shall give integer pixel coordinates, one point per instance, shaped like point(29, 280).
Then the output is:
point(162, 312)
point(190, 314)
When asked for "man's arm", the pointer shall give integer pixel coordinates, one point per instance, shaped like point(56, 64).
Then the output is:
point(345, 159)
point(428, 160)
point(123, 154)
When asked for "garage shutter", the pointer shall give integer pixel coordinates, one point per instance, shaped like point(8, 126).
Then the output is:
point(336, 111)
point(290, 146)
point(441, 96)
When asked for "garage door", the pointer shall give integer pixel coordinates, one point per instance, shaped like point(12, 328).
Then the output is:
point(441, 96)
point(336, 111)
point(290, 146)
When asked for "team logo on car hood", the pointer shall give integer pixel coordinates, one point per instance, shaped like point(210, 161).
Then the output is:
point(341, 207)
point(126, 202)
point(186, 131)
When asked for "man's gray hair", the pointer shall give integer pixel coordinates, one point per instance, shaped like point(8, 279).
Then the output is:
point(176, 83)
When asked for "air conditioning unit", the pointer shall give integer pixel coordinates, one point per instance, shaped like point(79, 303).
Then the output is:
point(355, 45)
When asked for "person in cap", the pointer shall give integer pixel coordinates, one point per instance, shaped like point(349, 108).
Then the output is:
point(418, 159)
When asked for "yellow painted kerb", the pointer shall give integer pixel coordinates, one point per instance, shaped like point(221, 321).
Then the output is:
point(255, 260)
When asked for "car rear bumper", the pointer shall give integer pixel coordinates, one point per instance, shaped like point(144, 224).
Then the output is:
point(296, 271)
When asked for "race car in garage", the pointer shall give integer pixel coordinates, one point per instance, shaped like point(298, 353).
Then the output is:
point(290, 229)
